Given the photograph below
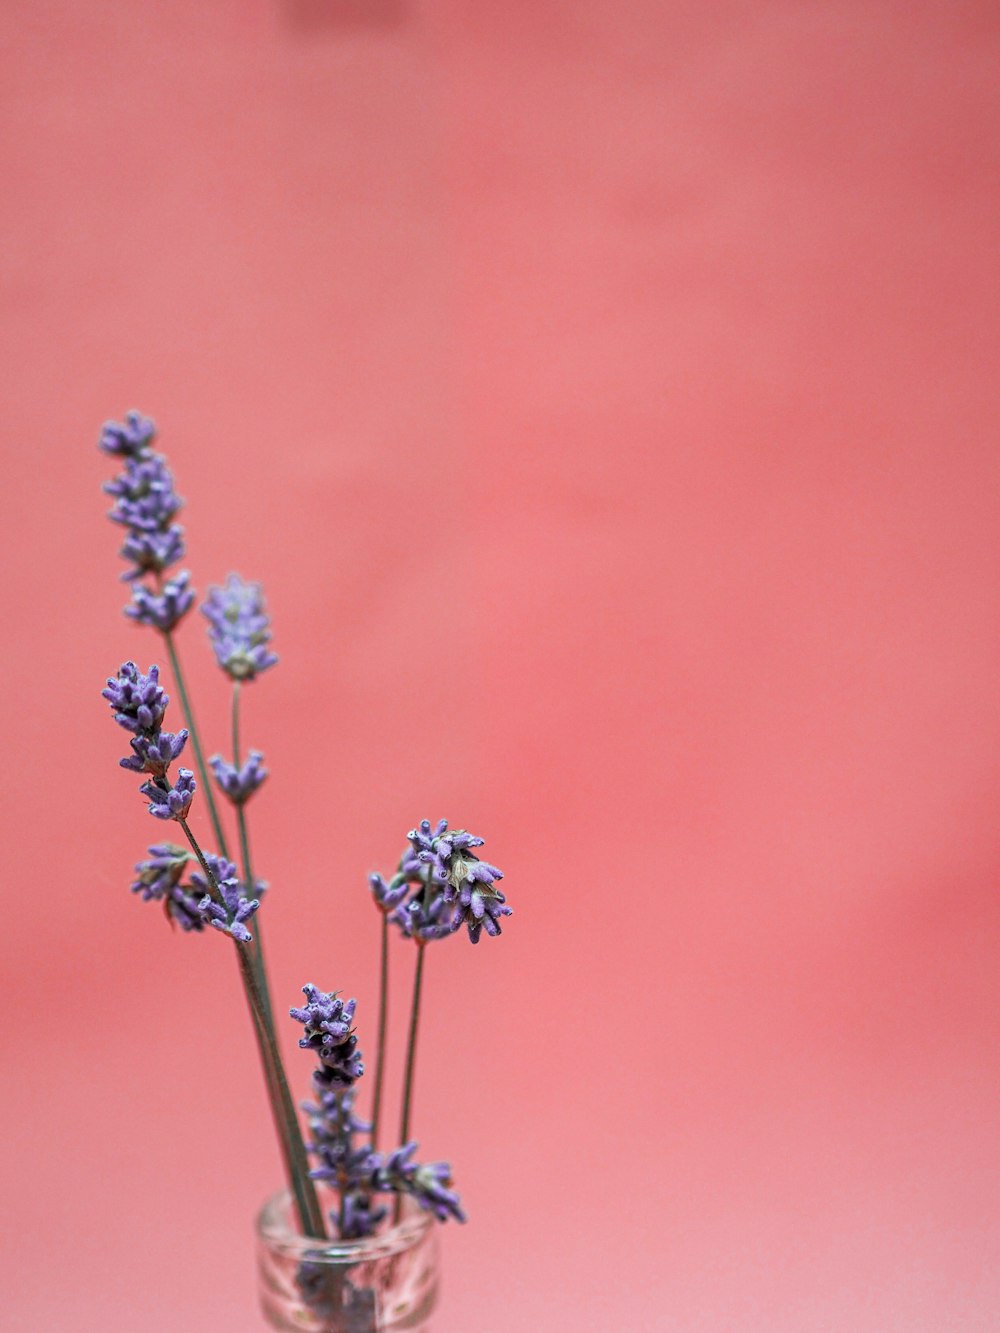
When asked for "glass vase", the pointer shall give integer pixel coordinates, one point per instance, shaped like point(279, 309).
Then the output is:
point(381, 1284)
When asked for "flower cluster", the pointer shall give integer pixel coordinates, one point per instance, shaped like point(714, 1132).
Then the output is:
point(239, 628)
point(328, 1032)
point(343, 1164)
point(239, 784)
point(357, 1172)
point(429, 1185)
point(192, 905)
point(146, 504)
point(233, 912)
point(139, 704)
point(158, 880)
point(441, 885)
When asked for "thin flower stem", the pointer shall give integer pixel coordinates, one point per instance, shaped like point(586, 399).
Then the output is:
point(248, 879)
point(411, 1045)
point(282, 1107)
point(175, 663)
point(383, 1015)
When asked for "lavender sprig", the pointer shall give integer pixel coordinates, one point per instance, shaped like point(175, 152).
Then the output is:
point(239, 784)
point(130, 439)
point(162, 610)
point(231, 915)
point(328, 1032)
point(167, 802)
point(429, 1185)
point(239, 628)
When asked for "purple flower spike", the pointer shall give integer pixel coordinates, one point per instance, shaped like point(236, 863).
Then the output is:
point(388, 896)
point(155, 754)
point(137, 701)
point(237, 909)
point(429, 1184)
point(164, 609)
point(152, 552)
point(448, 857)
point(480, 907)
point(174, 802)
point(145, 499)
point(129, 439)
point(423, 920)
point(327, 1021)
point(239, 628)
point(220, 868)
point(239, 784)
point(159, 874)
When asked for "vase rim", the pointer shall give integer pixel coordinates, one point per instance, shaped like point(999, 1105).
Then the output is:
point(273, 1227)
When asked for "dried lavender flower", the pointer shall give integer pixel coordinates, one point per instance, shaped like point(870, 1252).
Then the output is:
point(155, 754)
point(429, 1185)
point(480, 907)
point(161, 871)
point(328, 1032)
point(129, 439)
point(239, 784)
point(388, 895)
point(138, 701)
point(449, 857)
point(233, 912)
point(239, 628)
point(220, 869)
point(145, 499)
point(424, 918)
point(182, 910)
point(162, 610)
point(171, 802)
point(152, 552)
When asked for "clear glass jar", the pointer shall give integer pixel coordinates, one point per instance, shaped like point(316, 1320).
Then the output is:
point(382, 1284)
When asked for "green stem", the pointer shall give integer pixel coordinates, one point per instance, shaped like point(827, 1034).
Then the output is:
point(282, 1107)
point(248, 879)
point(175, 664)
point(383, 1014)
point(411, 1045)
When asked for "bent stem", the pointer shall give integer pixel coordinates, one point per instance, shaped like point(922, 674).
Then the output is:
point(282, 1107)
point(383, 1014)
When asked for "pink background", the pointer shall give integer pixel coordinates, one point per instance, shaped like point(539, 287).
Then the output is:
point(607, 397)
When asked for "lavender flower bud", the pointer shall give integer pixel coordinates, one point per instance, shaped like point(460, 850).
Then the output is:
point(239, 784)
point(173, 803)
point(159, 874)
point(130, 439)
point(164, 609)
point(429, 1184)
point(327, 1021)
point(230, 915)
point(239, 628)
point(220, 868)
point(388, 896)
point(155, 754)
point(137, 701)
point(361, 1216)
point(182, 910)
point(145, 499)
point(449, 858)
point(152, 552)
point(424, 919)
point(479, 908)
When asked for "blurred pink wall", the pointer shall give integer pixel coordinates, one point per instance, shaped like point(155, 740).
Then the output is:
point(607, 397)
